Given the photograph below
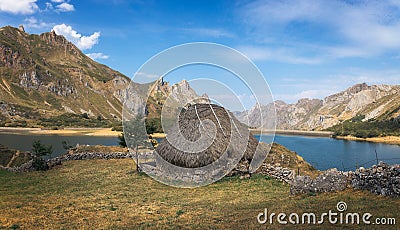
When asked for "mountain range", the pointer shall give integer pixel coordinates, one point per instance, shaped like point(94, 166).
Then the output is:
point(375, 102)
point(45, 76)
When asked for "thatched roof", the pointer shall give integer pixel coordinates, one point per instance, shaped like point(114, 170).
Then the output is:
point(226, 127)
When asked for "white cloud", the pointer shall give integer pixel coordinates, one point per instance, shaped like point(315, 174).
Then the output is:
point(57, 1)
point(209, 32)
point(49, 6)
point(95, 56)
point(284, 54)
point(147, 75)
point(357, 29)
point(65, 7)
point(32, 22)
point(82, 42)
point(19, 6)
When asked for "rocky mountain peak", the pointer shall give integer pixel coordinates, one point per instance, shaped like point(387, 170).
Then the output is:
point(53, 39)
point(21, 28)
point(358, 88)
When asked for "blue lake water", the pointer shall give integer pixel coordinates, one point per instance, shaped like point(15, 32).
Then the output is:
point(323, 153)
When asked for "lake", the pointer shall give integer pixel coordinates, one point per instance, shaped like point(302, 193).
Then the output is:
point(24, 142)
point(322, 152)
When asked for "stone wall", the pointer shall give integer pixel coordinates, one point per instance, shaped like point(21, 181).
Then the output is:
point(329, 181)
point(275, 171)
point(26, 167)
point(381, 179)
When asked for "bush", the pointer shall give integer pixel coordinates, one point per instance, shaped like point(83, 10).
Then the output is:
point(39, 164)
point(85, 115)
point(73, 120)
point(38, 151)
point(361, 134)
point(117, 128)
point(122, 141)
point(153, 125)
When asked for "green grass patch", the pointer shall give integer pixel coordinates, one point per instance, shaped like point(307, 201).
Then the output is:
point(104, 194)
point(73, 120)
point(366, 129)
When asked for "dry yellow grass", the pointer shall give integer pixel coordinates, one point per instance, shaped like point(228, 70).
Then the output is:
point(107, 194)
point(395, 140)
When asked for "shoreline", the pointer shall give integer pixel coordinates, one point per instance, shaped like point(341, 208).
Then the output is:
point(393, 140)
point(107, 132)
point(100, 132)
point(294, 132)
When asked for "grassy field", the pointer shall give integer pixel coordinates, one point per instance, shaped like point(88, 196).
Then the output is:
point(107, 194)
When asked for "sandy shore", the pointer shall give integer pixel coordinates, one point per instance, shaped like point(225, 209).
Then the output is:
point(101, 132)
point(158, 135)
point(395, 140)
point(106, 132)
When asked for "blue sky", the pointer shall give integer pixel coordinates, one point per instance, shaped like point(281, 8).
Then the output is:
point(303, 48)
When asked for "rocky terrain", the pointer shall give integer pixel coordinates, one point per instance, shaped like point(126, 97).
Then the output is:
point(379, 102)
point(44, 76)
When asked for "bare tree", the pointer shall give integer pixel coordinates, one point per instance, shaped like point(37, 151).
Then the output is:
point(136, 136)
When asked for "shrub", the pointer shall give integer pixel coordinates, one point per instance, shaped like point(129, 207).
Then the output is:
point(85, 115)
point(122, 141)
point(38, 163)
point(361, 134)
point(153, 125)
point(38, 151)
point(117, 128)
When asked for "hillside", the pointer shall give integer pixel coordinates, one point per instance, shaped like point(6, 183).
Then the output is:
point(44, 76)
point(46, 81)
point(376, 102)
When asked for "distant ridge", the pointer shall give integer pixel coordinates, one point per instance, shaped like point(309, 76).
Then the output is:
point(377, 102)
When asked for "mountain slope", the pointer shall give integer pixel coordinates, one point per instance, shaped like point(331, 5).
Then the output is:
point(47, 81)
point(376, 102)
point(45, 76)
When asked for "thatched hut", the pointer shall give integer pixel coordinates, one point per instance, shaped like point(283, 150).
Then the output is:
point(191, 125)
